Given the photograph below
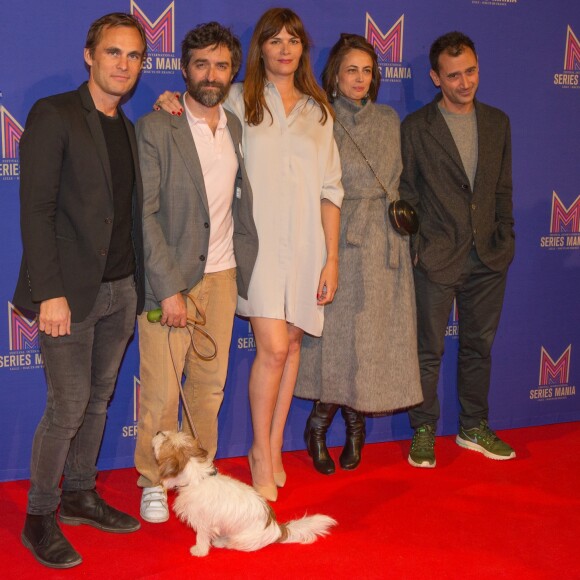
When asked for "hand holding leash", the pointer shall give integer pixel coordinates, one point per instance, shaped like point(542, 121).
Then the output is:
point(194, 324)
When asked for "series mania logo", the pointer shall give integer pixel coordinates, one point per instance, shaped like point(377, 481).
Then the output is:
point(247, 341)
point(160, 36)
point(131, 430)
point(554, 380)
point(494, 2)
point(568, 79)
point(389, 49)
point(11, 133)
point(564, 226)
point(452, 329)
point(24, 350)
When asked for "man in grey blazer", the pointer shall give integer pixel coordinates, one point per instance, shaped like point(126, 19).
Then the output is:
point(458, 176)
point(82, 271)
point(200, 248)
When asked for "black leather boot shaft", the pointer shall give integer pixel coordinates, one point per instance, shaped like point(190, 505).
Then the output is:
point(43, 537)
point(355, 438)
point(317, 425)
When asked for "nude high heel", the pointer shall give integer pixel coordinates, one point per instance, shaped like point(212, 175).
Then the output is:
point(269, 492)
point(280, 478)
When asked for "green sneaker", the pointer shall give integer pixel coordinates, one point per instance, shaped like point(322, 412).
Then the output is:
point(422, 452)
point(484, 440)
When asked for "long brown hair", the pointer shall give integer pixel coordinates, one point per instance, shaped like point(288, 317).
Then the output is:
point(269, 25)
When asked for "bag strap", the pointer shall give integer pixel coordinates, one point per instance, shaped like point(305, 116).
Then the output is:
point(365, 158)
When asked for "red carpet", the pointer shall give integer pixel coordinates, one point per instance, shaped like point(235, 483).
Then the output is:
point(471, 517)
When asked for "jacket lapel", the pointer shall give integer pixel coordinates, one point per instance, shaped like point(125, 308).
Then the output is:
point(94, 123)
point(485, 142)
point(235, 134)
point(186, 146)
point(132, 141)
point(440, 132)
point(138, 191)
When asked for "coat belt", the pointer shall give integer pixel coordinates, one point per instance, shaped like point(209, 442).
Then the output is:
point(357, 227)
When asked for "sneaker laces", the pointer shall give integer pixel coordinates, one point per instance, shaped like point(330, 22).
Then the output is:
point(423, 439)
point(486, 432)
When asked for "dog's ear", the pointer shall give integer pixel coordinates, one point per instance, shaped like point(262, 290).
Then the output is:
point(175, 452)
point(198, 452)
point(172, 460)
point(169, 467)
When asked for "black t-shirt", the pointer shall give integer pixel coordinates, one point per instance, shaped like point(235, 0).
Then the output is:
point(121, 257)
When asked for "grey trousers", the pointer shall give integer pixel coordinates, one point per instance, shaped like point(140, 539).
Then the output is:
point(81, 372)
point(479, 292)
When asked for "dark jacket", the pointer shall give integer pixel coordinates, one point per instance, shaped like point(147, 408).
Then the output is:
point(66, 204)
point(453, 217)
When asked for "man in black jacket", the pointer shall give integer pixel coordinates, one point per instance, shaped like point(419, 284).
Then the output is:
point(82, 272)
point(457, 174)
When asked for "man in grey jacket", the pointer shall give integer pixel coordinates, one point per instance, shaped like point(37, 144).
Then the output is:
point(457, 174)
point(199, 239)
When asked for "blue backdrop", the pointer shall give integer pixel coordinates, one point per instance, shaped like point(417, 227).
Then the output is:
point(530, 67)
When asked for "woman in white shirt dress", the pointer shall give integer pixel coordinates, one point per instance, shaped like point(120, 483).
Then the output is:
point(294, 169)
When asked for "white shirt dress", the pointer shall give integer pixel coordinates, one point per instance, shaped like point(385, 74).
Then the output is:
point(293, 164)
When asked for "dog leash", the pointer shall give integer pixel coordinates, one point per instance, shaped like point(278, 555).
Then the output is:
point(194, 324)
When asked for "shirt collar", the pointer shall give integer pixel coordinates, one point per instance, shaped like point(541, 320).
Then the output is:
point(270, 86)
point(193, 120)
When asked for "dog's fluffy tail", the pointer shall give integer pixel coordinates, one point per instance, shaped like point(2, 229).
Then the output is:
point(306, 529)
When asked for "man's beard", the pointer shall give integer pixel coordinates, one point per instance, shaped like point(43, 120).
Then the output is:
point(208, 98)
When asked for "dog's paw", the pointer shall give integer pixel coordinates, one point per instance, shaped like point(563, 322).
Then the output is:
point(199, 551)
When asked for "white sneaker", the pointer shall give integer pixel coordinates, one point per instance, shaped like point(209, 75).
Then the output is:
point(154, 508)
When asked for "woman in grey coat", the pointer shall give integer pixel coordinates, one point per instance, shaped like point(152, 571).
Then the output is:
point(366, 360)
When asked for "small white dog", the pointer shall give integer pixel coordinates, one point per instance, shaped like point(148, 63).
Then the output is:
point(224, 512)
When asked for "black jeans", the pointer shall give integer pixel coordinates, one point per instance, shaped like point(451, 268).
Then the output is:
point(81, 372)
point(479, 292)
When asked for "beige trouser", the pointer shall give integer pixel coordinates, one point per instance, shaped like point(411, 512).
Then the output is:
point(216, 293)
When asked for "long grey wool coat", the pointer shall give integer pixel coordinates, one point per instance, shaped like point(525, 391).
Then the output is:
point(366, 358)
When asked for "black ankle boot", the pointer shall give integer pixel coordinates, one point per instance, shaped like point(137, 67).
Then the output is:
point(355, 438)
point(86, 507)
point(317, 425)
point(43, 537)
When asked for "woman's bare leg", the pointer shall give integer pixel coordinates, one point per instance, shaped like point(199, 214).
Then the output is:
point(272, 346)
point(285, 393)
